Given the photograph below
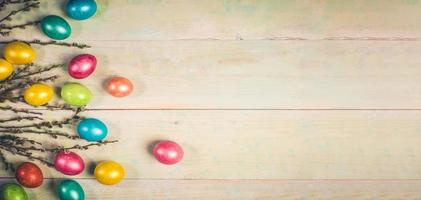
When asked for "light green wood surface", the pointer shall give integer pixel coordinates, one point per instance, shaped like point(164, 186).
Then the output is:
point(270, 99)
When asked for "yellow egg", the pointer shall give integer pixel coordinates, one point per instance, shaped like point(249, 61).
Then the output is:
point(38, 94)
point(19, 53)
point(109, 172)
point(6, 69)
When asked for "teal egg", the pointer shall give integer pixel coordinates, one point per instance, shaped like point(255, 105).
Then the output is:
point(76, 94)
point(70, 190)
point(81, 9)
point(92, 129)
point(13, 191)
point(55, 27)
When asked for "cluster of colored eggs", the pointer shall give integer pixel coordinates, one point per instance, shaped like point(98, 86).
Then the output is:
point(66, 190)
point(58, 28)
point(79, 67)
point(29, 175)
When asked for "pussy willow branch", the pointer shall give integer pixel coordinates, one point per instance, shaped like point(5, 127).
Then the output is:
point(85, 147)
point(18, 119)
point(6, 29)
point(7, 165)
point(27, 7)
point(15, 146)
point(11, 149)
point(6, 91)
point(53, 134)
point(19, 110)
point(40, 70)
point(51, 42)
point(43, 124)
point(4, 3)
point(24, 76)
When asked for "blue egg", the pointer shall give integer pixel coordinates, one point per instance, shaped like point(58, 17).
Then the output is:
point(92, 129)
point(81, 9)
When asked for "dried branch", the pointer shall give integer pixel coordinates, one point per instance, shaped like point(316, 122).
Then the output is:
point(7, 165)
point(43, 124)
point(84, 147)
point(51, 42)
point(19, 110)
point(5, 29)
point(26, 8)
point(18, 119)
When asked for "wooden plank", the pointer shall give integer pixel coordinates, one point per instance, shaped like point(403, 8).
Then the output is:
point(254, 74)
point(239, 189)
point(263, 144)
point(235, 20)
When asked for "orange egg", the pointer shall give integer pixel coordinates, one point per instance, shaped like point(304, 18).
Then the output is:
point(119, 87)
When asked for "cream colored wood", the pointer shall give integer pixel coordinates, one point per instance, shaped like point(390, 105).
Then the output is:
point(263, 144)
point(239, 189)
point(253, 74)
point(236, 20)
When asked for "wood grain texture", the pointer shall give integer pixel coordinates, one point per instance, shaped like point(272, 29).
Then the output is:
point(264, 96)
point(236, 20)
point(253, 74)
point(263, 144)
point(239, 189)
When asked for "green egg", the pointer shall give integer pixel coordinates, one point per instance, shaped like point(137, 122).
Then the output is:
point(55, 27)
point(70, 190)
point(13, 191)
point(76, 94)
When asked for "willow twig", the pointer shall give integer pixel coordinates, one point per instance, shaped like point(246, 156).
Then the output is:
point(7, 165)
point(28, 155)
point(46, 124)
point(27, 7)
point(19, 110)
point(18, 119)
point(39, 71)
point(51, 42)
point(83, 147)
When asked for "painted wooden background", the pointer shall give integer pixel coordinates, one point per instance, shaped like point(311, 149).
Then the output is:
point(271, 99)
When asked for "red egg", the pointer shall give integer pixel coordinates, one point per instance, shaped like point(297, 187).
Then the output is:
point(29, 175)
point(69, 163)
point(119, 86)
point(168, 152)
point(82, 66)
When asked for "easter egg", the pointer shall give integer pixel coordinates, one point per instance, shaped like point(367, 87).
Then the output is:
point(69, 163)
point(168, 152)
point(70, 190)
point(19, 53)
point(81, 9)
point(29, 175)
point(109, 172)
point(92, 129)
point(38, 94)
point(6, 69)
point(76, 94)
point(119, 86)
point(13, 191)
point(81, 66)
point(55, 27)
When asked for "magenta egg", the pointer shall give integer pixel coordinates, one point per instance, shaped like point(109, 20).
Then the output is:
point(168, 152)
point(82, 66)
point(69, 163)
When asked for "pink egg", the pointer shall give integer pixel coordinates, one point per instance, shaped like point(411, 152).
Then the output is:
point(168, 152)
point(69, 163)
point(82, 66)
